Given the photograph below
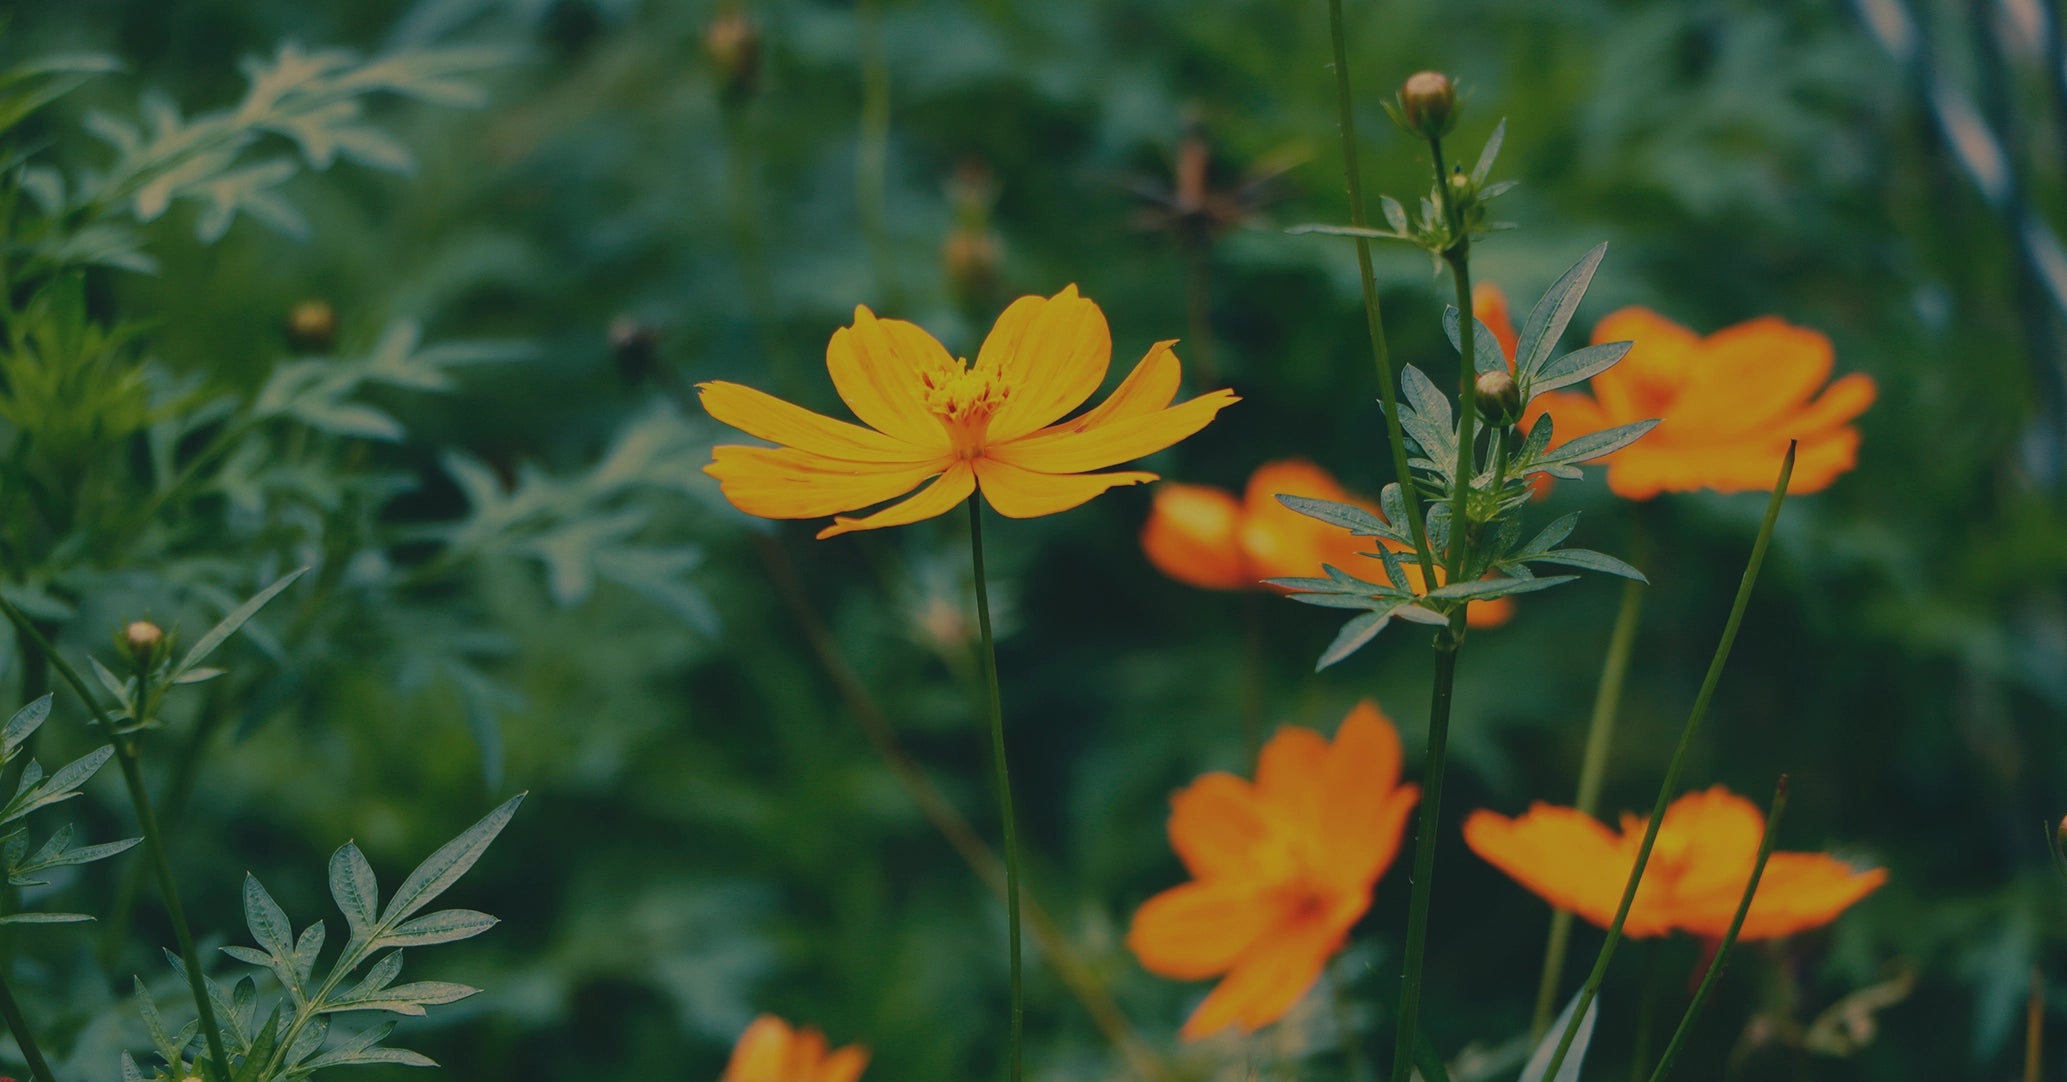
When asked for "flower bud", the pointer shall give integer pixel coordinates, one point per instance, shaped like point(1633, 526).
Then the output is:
point(1428, 99)
point(143, 641)
point(1499, 397)
point(635, 345)
point(733, 43)
point(312, 325)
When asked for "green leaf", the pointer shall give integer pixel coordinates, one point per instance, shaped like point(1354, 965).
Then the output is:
point(44, 918)
point(444, 926)
point(1577, 366)
point(1485, 346)
point(24, 722)
point(1591, 561)
point(1491, 152)
point(1355, 519)
point(444, 867)
point(1486, 589)
point(1547, 321)
point(221, 632)
point(1345, 231)
point(1594, 444)
point(355, 890)
point(1548, 538)
point(1539, 1062)
point(1352, 637)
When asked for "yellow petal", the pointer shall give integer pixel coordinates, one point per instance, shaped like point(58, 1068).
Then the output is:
point(938, 498)
point(1076, 447)
point(1799, 892)
point(878, 366)
point(1018, 493)
point(767, 417)
point(1150, 387)
point(761, 1052)
point(782, 482)
point(1052, 353)
point(845, 1065)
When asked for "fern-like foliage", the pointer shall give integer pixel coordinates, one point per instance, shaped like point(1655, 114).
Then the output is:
point(34, 791)
point(288, 1031)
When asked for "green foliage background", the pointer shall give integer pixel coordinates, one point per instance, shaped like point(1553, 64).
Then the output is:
point(710, 837)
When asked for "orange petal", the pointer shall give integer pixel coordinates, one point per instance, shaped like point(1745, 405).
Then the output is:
point(1150, 387)
point(1569, 860)
point(1365, 811)
point(770, 418)
point(1750, 375)
point(1799, 892)
point(1659, 365)
point(1716, 834)
point(761, 1053)
point(1218, 829)
point(878, 366)
point(845, 1065)
point(938, 498)
point(1269, 977)
point(781, 482)
point(1485, 615)
point(1075, 447)
point(1190, 536)
point(1021, 493)
point(1291, 477)
point(1290, 781)
point(1052, 353)
point(1197, 930)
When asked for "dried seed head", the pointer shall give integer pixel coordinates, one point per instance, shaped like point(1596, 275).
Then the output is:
point(1429, 101)
point(1499, 397)
point(312, 325)
point(733, 43)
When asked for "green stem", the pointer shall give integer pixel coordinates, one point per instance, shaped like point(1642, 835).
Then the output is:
point(1447, 644)
point(1004, 780)
point(1679, 758)
point(1459, 259)
point(39, 1068)
point(154, 840)
point(1593, 769)
point(1729, 939)
point(1647, 1010)
point(1345, 1033)
point(1373, 321)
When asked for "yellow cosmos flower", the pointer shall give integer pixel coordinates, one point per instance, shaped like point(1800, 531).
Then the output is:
point(992, 425)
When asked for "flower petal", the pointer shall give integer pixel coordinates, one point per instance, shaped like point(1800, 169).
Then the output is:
point(782, 482)
point(761, 1053)
point(1569, 860)
point(1197, 930)
point(1489, 306)
point(938, 498)
point(1290, 773)
point(844, 1065)
point(1799, 892)
point(1075, 447)
point(1719, 834)
point(1750, 376)
point(1052, 352)
point(1269, 978)
point(767, 417)
point(1150, 387)
point(1020, 493)
point(1190, 536)
point(879, 367)
point(1218, 829)
point(1366, 808)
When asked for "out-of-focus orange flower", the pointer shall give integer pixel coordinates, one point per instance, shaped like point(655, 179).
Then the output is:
point(1204, 536)
point(771, 1051)
point(1695, 879)
point(1281, 869)
point(1727, 403)
point(990, 426)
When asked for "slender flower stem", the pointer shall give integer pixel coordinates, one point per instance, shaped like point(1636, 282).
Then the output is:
point(1081, 978)
point(1448, 643)
point(1729, 939)
point(154, 839)
point(1679, 758)
point(39, 1068)
point(1373, 320)
point(1600, 734)
point(1004, 780)
point(1459, 259)
point(1345, 1033)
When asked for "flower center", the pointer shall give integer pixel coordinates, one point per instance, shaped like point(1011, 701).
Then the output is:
point(964, 397)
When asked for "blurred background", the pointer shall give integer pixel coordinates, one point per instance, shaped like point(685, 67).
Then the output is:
point(656, 193)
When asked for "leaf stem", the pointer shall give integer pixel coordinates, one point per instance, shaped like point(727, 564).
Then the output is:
point(39, 1068)
point(154, 839)
point(1373, 320)
point(1679, 757)
point(1003, 777)
point(1600, 734)
point(1448, 644)
point(1729, 939)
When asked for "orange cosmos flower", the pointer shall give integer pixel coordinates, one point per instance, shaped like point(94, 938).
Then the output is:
point(1203, 536)
point(1728, 404)
point(990, 425)
point(1281, 869)
point(770, 1051)
point(1695, 879)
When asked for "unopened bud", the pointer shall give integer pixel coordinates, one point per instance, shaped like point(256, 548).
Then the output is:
point(1499, 397)
point(143, 641)
point(733, 43)
point(635, 345)
point(1429, 101)
point(312, 325)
